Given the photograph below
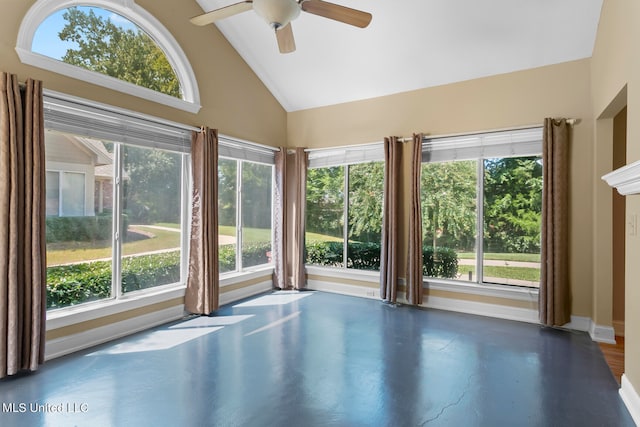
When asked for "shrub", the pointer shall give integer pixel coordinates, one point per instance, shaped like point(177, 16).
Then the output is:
point(79, 283)
point(81, 228)
point(324, 253)
point(255, 253)
point(227, 258)
point(366, 256)
point(443, 264)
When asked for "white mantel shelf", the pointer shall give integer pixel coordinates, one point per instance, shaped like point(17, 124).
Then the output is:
point(625, 179)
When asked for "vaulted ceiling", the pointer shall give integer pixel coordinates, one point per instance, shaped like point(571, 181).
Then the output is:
point(410, 44)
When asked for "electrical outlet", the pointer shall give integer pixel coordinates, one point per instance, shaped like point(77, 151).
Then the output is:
point(371, 293)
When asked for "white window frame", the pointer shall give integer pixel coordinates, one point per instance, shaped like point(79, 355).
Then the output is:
point(244, 151)
point(345, 156)
point(66, 109)
point(522, 142)
point(42, 9)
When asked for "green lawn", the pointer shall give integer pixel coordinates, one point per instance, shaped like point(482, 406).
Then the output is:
point(67, 252)
point(516, 273)
point(502, 256)
point(248, 234)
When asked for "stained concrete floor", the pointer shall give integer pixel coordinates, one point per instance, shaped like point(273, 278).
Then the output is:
point(318, 359)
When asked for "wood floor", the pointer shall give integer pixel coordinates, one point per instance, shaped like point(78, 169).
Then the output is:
point(614, 355)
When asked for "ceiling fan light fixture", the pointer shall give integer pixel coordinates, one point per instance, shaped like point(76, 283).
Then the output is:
point(277, 13)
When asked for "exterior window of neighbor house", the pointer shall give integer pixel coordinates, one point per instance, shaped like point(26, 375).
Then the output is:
point(245, 194)
point(344, 207)
point(65, 193)
point(481, 207)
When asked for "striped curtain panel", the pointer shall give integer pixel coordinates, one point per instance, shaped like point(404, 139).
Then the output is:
point(390, 218)
point(414, 250)
point(203, 283)
point(555, 294)
point(23, 298)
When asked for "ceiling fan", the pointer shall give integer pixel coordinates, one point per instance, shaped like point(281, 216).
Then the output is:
point(279, 14)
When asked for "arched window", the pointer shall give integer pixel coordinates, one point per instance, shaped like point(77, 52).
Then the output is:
point(92, 40)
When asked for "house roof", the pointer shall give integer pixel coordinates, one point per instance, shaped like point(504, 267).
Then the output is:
point(410, 45)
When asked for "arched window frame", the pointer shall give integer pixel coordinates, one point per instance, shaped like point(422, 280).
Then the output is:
point(42, 9)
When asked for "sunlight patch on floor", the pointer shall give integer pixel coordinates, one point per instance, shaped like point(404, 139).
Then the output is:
point(274, 299)
point(207, 322)
point(155, 341)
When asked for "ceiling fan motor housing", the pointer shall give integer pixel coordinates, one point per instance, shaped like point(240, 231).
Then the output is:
point(277, 13)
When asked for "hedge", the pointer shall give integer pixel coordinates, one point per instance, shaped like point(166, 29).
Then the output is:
point(78, 283)
point(366, 256)
point(81, 228)
point(255, 253)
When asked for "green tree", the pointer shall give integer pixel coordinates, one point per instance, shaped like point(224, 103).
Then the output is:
point(449, 204)
point(227, 184)
point(366, 182)
point(512, 204)
point(126, 54)
point(325, 200)
point(152, 185)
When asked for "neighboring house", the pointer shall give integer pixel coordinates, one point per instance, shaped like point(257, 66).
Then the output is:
point(79, 175)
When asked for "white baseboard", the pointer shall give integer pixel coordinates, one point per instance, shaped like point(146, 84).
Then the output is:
point(245, 292)
point(598, 333)
point(461, 306)
point(341, 288)
point(482, 309)
point(630, 398)
point(92, 337)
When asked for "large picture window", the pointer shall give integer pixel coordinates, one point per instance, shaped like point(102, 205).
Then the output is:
point(344, 208)
point(481, 207)
point(115, 203)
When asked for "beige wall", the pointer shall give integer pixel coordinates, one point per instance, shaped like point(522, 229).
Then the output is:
point(505, 101)
point(615, 80)
point(233, 99)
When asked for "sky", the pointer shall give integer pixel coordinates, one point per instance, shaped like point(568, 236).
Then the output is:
point(47, 42)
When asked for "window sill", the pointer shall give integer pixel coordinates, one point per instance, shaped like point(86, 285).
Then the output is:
point(67, 316)
point(496, 291)
point(229, 279)
point(345, 273)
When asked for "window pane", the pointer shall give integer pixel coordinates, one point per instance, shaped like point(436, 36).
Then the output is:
point(111, 45)
point(227, 199)
point(366, 182)
point(449, 219)
point(53, 193)
point(325, 216)
point(78, 247)
point(73, 195)
point(512, 220)
point(256, 214)
point(150, 223)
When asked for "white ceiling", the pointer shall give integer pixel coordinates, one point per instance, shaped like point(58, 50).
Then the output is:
point(410, 44)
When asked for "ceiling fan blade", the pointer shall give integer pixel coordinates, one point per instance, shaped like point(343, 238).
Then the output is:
point(286, 43)
point(223, 12)
point(336, 12)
